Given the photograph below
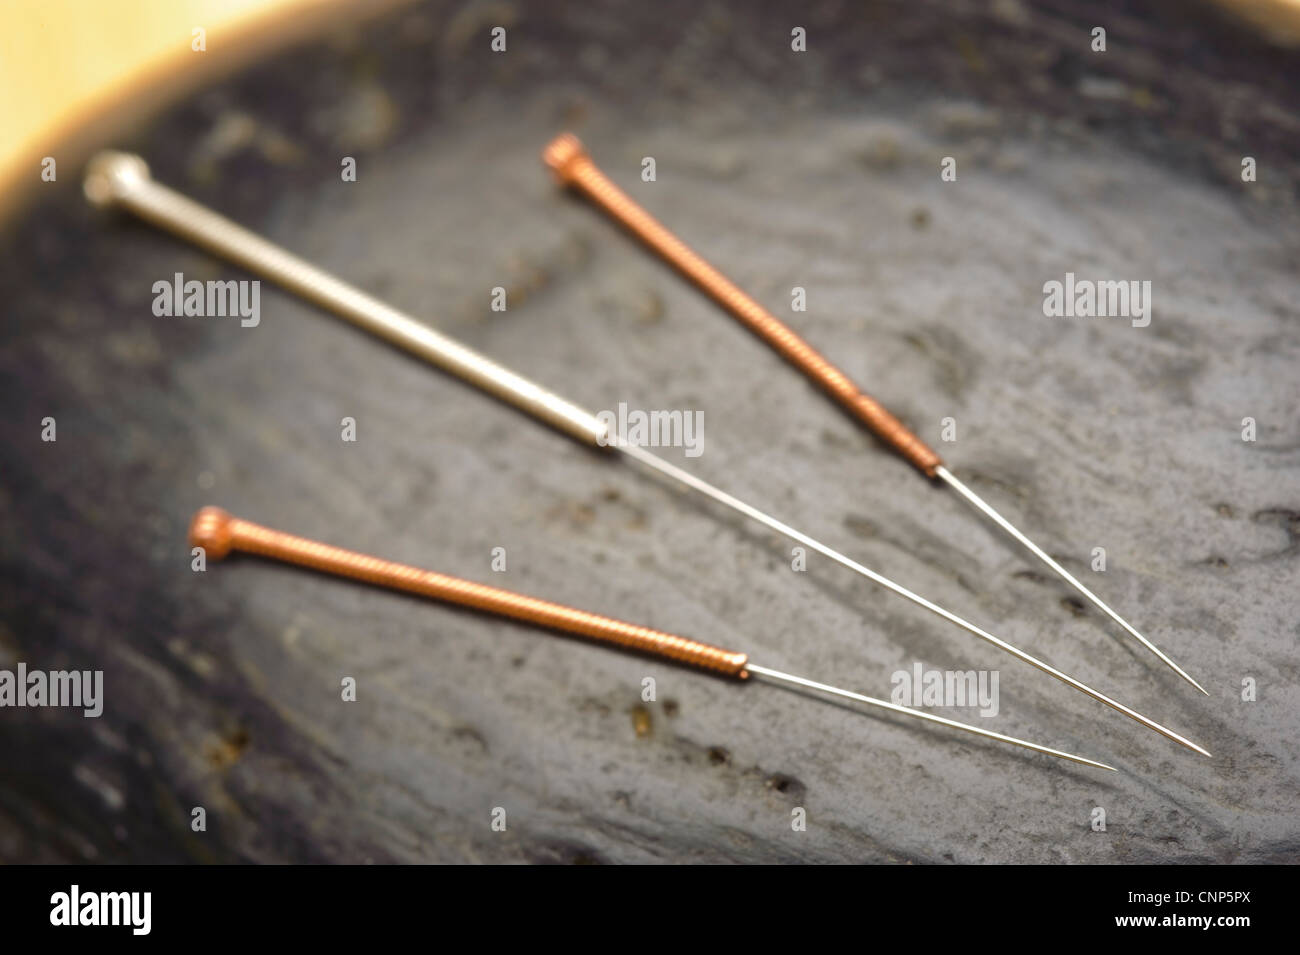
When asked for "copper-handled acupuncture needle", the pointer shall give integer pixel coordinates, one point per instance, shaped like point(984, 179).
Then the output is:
point(123, 181)
point(574, 168)
point(219, 533)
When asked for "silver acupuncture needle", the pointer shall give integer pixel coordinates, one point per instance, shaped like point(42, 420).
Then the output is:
point(122, 180)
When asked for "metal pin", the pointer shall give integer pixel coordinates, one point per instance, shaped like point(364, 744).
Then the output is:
point(219, 533)
point(574, 168)
point(123, 180)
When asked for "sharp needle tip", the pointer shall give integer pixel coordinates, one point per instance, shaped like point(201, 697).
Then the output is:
point(1179, 670)
point(1091, 762)
point(1195, 748)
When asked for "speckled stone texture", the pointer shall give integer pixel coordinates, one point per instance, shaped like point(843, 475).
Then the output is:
point(819, 170)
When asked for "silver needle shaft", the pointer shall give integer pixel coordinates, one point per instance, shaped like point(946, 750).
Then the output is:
point(122, 180)
point(984, 508)
point(722, 497)
point(787, 678)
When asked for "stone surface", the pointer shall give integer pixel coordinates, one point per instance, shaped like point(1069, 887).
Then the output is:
point(818, 170)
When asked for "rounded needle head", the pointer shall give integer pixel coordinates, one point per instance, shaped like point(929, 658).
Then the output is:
point(798, 681)
point(984, 508)
point(110, 175)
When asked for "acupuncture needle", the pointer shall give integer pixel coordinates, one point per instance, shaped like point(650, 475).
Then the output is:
point(122, 180)
point(220, 533)
point(574, 168)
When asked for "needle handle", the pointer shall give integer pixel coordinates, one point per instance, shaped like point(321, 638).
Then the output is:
point(218, 533)
point(123, 180)
point(574, 168)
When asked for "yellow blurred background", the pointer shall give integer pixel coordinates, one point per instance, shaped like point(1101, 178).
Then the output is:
point(75, 70)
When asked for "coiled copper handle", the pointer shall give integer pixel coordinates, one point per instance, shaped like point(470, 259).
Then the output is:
point(573, 168)
point(218, 533)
